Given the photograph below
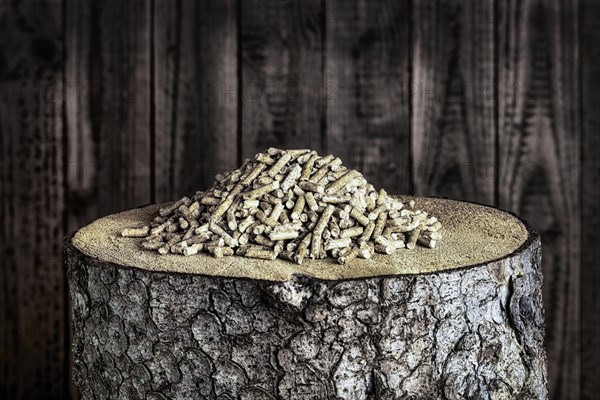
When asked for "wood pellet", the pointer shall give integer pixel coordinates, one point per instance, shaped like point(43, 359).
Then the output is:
point(289, 204)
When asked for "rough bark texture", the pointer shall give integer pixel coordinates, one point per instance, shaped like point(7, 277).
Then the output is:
point(474, 333)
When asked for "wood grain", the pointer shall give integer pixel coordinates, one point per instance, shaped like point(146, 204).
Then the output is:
point(539, 145)
point(32, 309)
point(366, 75)
point(108, 118)
point(196, 94)
point(589, 50)
point(453, 125)
point(281, 79)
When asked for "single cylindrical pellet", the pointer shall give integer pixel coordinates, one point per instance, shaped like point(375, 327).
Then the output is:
point(152, 245)
point(378, 210)
point(310, 201)
point(264, 158)
point(263, 240)
point(141, 231)
point(284, 218)
point(291, 178)
point(221, 210)
point(163, 212)
point(436, 226)
point(379, 224)
point(230, 214)
point(381, 197)
point(309, 186)
point(359, 217)
point(283, 235)
point(253, 194)
point(261, 254)
point(274, 216)
point(229, 240)
point(367, 233)
point(340, 183)
point(307, 170)
point(279, 164)
point(384, 249)
point(337, 243)
point(320, 174)
point(323, 160)
point(366, 250)
point(258, 169)
point(315, 249)
point(351, 232)
point(348, 257)
point(302, 252)
point(210, 201)
point(336, 199)
point(412, 237)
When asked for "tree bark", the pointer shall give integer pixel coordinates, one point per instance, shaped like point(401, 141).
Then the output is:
point(474, 333)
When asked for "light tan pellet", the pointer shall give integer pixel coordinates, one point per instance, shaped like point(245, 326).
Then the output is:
point(359, 217)
point(221, 210)
point(379, 224)
point(229, 240)
point(351, 232)
point(264, 158)
point(279, 164)
point(307, 170)
point(384, 249)
point(348, 257)
point(138, 232)
point(260, 253)
point(318, 231)
point(283, 235)
point(302, 252)
point(336, 199)
point(334, 187)
point(310, 201)
point(337, 243)
point(412, 237)
point(253, 194)
point(320, 174)
point(367, 233)
point(291, 178)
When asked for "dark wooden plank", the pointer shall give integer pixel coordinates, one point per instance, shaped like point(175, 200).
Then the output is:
point(366, 77)
point(108, 113)
point(32, 309)
point(539, 153)
point(282, 65)
point(195, 62)
point(453, 123)
point(590, 208)
point(107, 109)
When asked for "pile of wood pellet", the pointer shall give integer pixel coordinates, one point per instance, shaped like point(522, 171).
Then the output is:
point(292, 204)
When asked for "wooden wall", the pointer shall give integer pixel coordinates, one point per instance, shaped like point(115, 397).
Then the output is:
point(109, 104)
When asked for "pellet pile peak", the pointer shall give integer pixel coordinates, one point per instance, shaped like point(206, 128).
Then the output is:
point(291, 204)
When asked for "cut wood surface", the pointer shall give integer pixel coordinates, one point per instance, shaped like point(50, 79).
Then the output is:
point(473, 234)
point(539, 153)
point(245, 329)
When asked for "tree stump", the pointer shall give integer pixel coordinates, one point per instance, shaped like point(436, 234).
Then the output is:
point(462, 321)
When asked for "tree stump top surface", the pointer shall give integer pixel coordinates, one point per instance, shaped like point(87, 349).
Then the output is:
point(473, 234)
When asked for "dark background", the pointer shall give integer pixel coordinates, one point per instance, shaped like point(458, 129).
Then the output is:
point(109, 104)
